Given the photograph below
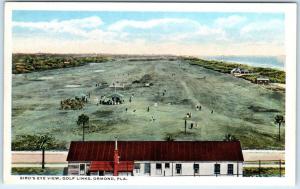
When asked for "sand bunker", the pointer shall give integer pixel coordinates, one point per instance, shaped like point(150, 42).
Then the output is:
point(72, 86)
point(46, 78)
point(93, 64)
point(99, 70)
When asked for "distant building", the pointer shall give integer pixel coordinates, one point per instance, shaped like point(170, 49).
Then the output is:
point(117, 85)
point(155, 158)
point(262, 81)
point(237, 71)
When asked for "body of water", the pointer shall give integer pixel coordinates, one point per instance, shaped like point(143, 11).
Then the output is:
point(277, 62)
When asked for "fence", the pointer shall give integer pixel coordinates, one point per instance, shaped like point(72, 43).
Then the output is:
point(264, 168)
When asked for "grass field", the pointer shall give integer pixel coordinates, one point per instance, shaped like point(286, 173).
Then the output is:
point(241, 108)
point(263, 172)
point(37, 171)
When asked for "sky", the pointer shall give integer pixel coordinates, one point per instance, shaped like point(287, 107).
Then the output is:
point(176, 33)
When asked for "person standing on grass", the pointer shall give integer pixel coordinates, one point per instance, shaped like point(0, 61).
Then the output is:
point(153, 119)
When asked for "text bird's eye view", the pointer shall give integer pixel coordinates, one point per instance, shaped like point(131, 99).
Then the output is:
point(156, 94)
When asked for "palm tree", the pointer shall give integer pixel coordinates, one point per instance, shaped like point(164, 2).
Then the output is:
point(43, 142)
point(279, 119)
point(82, 120)
point(169, 137)
point(229, 137)
point(36, 142)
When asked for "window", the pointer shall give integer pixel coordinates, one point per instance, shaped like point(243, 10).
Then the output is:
point(158, 169)
point(137, 167)
point(196, 168)
point(82, 169)
point(158, 166)
point(230, 169)
point(217, 169)
point(167, 165)
point(147, 168)
point(73, 169)
point(178, 168)
point(101, 173)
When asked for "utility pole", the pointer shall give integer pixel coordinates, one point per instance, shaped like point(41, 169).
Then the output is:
point(43, 158)
point(259, 164)
point(83, 132)
point(279, 131)
point(185, 126)
point(280, 168)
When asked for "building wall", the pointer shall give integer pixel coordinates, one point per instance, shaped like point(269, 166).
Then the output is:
point(74, 168)
point(262, 82)
point(187, 169)
point(205, 169)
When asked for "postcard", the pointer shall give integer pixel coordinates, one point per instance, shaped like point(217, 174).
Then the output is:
point(150, 93)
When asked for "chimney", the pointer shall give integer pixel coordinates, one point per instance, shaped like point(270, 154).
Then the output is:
point(116, 158)
point(116, 143)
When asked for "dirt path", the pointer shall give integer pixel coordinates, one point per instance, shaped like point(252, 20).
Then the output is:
point(36, 157)
point(189, 92)
point(263, 155)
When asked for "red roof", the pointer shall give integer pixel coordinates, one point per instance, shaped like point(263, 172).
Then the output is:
point(156, 151)
point(109, 165)
point(101, 165)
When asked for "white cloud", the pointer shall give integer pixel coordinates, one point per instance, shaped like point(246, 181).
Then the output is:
point(271, 31)
point(263, 26)
point(230, 21)
point(74, 26)
point(120, 25)
point(188, 37)
point(202, 33)
point(89, 28)
point(195, 31)
point(209, 31)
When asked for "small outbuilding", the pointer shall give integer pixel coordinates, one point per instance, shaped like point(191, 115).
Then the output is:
point(237, 71)
point(262, 81)
point(117, 85)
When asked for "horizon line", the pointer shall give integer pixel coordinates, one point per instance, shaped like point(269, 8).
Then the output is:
point(135, 54)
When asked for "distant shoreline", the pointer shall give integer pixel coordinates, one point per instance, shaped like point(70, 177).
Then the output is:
point(275, 62)
point(275, 75)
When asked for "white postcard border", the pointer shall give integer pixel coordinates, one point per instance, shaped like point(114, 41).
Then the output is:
point(289, 9)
